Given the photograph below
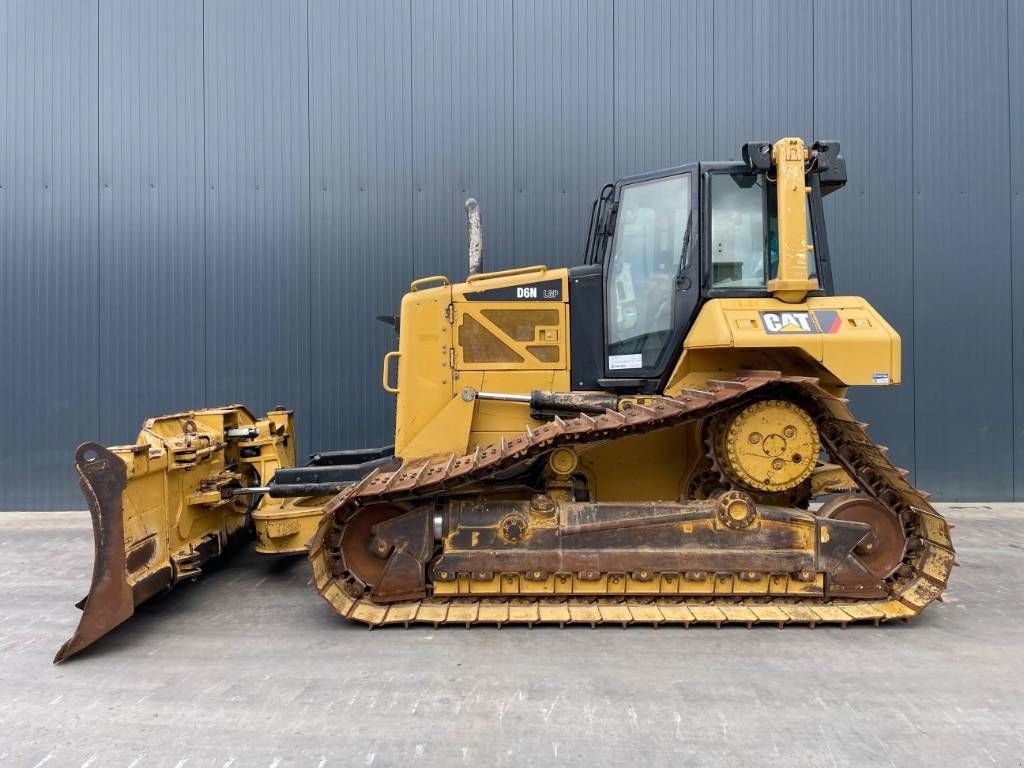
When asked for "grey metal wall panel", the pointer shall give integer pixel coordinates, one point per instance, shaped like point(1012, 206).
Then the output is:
point(562, 124)
point(1015, 74)
point(762, 72)
point(961, 250)
point(210, 201)
point(257, 205)
point(48, 231)
point(152, 290)
point(661, 85)
point(461, 131)
point(865, 101)
point(362, 233)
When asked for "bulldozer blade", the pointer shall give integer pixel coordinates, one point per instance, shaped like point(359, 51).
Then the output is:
point(166, 506)
point(111, 599)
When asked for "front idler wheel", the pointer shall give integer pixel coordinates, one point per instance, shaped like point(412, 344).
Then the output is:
point(883, 549)
point(365, 554)
point(877, 556)
point(384, 549)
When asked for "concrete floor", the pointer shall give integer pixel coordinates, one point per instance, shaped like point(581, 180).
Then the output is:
point(249, 667)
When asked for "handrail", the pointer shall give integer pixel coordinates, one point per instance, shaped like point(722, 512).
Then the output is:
point(384, 375)
point(541, 268)
point(415, 285)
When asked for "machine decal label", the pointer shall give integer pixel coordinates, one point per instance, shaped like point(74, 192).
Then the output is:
point(788, 322)
point(880, 378)
point(546, 290)
point(625, 362)
point(829, 320)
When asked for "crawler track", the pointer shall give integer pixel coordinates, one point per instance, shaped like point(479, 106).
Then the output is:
point(917, 582)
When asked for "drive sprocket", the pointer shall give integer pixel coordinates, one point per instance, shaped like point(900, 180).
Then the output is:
point(769, 445)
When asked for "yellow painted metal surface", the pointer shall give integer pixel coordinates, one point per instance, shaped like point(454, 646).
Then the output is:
point(286, 525)
point(624, 584)
point(516, 336)
point(447, 432)
point(771, 445)
point(506, 278)
point(449, 340)
point(648, 467)
point(842, 338)
point(424, 367)
point(508, 418)
point(177, 472)
point(793, 283)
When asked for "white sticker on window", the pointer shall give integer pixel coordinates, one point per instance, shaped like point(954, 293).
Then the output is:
point(625, 362)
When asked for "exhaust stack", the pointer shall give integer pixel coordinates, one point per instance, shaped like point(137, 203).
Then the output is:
point(476, 237)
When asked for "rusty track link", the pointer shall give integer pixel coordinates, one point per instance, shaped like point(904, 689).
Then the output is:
point(917, 582)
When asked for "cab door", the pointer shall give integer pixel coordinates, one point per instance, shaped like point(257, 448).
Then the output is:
point(651, 285)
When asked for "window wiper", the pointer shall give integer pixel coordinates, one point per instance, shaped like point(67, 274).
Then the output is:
point(684, 254)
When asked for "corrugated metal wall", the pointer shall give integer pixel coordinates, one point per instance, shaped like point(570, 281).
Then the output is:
point(204, 202)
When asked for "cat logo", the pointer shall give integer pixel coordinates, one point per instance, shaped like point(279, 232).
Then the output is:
point(526, 293)
point(787, 322)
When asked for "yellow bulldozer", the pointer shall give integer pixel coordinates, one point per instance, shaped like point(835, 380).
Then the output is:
point(658, 435)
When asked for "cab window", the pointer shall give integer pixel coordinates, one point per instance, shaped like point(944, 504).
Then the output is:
point(651, 232)
point(737, 231)
point(743, 254)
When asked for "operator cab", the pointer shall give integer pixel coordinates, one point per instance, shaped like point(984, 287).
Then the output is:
point(660, 244)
